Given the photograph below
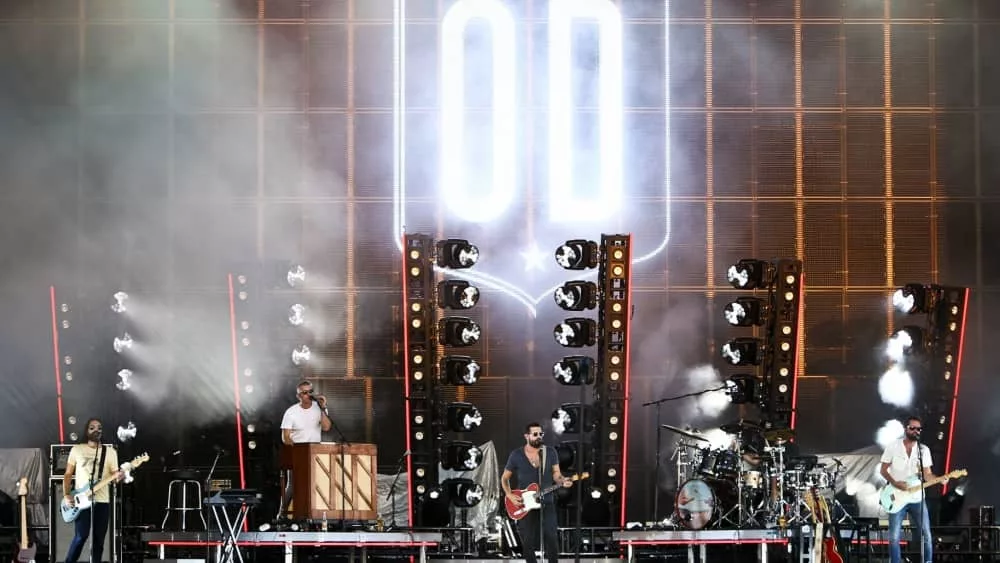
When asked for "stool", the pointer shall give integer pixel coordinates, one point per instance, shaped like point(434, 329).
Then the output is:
point(185, 488)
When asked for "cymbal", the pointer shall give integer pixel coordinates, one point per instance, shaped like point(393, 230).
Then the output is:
point(782, 434)
point(685, 433)
point(739, 427)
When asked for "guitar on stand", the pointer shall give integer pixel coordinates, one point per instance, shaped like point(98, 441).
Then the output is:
point(531, 497)
point(83, 497)
point(827, 543)
point(811, 499)
point(25, 553)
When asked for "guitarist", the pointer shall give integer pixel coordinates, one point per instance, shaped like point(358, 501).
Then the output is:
point(84, 459)
point(535, 463)
point(902, 461)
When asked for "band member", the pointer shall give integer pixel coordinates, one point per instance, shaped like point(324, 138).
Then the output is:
point(901, 463)
point(303, 423)
point(88, 463)
point(535, 463)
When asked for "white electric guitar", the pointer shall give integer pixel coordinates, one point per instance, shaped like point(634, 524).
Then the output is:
point(83, 497)
point(893, 500)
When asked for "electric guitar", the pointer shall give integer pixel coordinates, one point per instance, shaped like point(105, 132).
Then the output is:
point(893, 500)
point(25, 553)
point(83, 497)
point(829, 543)
point(531, 497)
point(812, 501)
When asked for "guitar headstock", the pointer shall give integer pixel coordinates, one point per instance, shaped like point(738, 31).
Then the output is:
point(958, 473)
point(22, 487)
point(139, 460)
point(581, 476)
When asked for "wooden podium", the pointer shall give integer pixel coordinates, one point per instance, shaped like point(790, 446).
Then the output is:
point(321, 484)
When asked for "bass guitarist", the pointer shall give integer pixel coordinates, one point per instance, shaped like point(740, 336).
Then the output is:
point(902, 461)
point(88, 463)
point(535, 463)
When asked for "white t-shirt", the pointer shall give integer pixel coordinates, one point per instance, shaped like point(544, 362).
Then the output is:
point(903, 467)
point(305, 424)
point(84, 458)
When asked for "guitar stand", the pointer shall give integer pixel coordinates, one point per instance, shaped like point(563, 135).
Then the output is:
point(230, 532)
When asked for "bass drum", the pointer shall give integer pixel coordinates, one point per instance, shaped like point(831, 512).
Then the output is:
point(700, 502)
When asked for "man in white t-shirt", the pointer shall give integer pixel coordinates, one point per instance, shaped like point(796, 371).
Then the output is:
point(903, 461)
point(303, 423)
point(87, 464)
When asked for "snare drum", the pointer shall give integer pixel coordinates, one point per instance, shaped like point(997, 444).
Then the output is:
point(794, 479)
point(753, 480)
point(819, 478)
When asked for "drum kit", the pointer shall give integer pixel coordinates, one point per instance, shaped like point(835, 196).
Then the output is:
point(749, 483)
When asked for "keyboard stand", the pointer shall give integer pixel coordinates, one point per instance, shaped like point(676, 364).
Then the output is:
point(230, 529)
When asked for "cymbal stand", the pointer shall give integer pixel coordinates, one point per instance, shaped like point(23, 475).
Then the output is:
point(779, 470)
point(739, 487)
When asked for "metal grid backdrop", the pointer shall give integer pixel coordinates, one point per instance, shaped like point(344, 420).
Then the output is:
point(848, 134)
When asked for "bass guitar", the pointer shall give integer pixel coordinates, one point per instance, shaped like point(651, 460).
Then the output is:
point(83, 497)
point(25, 553)
point(893, 500)
point(531, 497)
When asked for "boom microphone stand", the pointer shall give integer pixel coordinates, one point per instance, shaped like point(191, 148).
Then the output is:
point(923, 499)
point(392, 488)
point(343, 474)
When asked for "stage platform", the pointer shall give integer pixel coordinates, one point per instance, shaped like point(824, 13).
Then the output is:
point(697, 541)
point(360, 542)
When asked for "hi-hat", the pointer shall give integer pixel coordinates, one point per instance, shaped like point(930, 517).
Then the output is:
point(685, 433)
point(739, 427)
point(779, 434)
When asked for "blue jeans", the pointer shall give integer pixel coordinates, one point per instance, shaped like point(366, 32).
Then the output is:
point(917, 511)
point(101, 512)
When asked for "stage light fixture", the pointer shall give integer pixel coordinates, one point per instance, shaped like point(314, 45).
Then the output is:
point(742, 389)
point(463, 417)
point(458, 331)
point(456, 254)
point(576, 295)
point(578, 254)
point(906, 341)
point(574, 370)
point(742, 351)
point(459, 370)
point(296, 276)
point(126, 433)
point(457, 294)
point(435, 510)
point(125, 380)
point(296, 314)
point(750, 274)
point(123, 343)
point(576, 332)
point(461, 456)
point(464, 493)
point(746, 311)
point(573, 418)
point(301, 355)
point(119, 305)
point(911, 298)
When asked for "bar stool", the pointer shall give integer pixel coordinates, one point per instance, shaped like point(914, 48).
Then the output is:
point(187, 489)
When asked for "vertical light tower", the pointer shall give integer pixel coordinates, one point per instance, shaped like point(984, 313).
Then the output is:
point(936, 358)
point(614, 321)
point(577, 418)
point(457, 417)
point(748, 312)
point(419, 359)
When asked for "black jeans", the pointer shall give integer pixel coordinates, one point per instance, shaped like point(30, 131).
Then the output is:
point(101, 512)
point(527, 528)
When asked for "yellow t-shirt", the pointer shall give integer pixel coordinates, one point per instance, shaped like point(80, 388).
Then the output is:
point(84, 458)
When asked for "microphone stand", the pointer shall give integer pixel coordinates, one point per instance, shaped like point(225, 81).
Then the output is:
point(392, 488)
point(923, 499)
point(343, 474)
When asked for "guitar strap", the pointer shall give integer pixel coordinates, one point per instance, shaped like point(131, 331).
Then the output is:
point(96, 473)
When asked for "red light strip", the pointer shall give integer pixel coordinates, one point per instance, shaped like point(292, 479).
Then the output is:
point(703, 542)
point(55, 362)
point(236, 382)
point(800, 339)
point(406, 387)
point(625, 373)
point(251, 543)
point(958, 374)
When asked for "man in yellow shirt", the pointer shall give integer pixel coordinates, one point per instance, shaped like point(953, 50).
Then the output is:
point(88, 463)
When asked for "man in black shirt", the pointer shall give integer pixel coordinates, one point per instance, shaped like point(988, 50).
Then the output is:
point(535, 463)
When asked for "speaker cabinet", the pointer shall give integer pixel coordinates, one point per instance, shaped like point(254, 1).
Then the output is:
point(61, 533)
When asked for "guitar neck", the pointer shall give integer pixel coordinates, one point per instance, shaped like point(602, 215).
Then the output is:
point(24, 523)
point(930, 483)
point(102, 483)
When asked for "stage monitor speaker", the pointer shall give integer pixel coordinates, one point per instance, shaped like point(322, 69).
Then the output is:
point(61, 533)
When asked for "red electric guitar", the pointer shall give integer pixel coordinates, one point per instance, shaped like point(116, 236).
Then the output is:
point(531, 498)
point(825, 546)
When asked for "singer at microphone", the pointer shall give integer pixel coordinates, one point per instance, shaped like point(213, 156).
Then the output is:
point(303, 423)
point(88, 463)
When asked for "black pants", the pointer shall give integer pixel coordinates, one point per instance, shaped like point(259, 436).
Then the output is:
point(527, 528)
point(101, 512)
